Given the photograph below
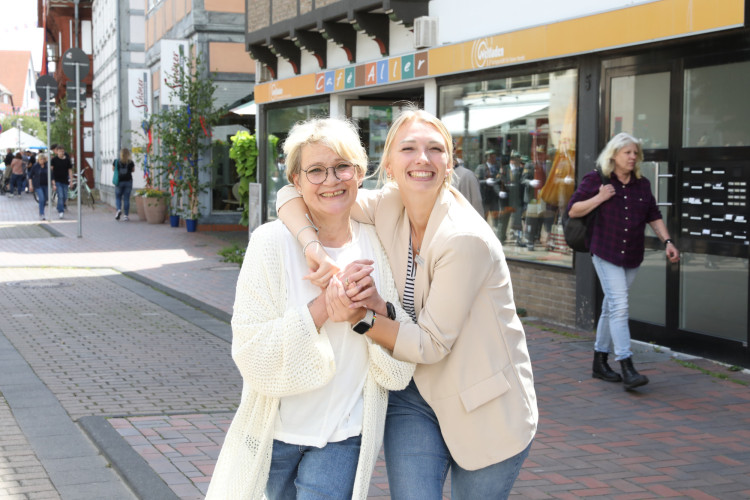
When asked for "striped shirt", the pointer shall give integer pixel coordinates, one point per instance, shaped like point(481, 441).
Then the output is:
point(411, 272)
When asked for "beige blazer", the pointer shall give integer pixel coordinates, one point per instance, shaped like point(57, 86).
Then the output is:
point(474, 368)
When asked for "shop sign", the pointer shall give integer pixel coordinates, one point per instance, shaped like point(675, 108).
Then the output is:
point(564, 38)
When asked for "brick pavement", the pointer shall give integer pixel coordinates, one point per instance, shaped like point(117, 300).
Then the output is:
point(157, 373)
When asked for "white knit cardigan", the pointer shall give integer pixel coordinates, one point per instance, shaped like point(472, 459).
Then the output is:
point(279, 353)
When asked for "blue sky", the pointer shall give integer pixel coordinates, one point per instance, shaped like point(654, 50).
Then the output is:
point(18, 29)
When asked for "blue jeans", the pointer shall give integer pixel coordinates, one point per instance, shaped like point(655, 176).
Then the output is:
point(122, 196)
point(613, 323)
point(417, 459)
point(306, 472)
point(62, 195)
point(41, 195)
point(16, 181)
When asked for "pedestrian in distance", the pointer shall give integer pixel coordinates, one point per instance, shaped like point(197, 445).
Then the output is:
point(468, 185)
point(471, 406)
point(125, 168)
point(5, 178)
point(38, 179)
point(617, 246)
point(315, 390)
point(62, 177)
point(18, 174)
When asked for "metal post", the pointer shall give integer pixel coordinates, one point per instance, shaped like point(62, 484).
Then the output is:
point(78, 145)
point(49, 156)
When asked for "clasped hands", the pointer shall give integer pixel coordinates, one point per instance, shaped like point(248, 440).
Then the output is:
point(348, 292)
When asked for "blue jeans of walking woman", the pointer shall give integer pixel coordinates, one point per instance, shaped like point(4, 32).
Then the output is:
point(613, 323)
point(16, 182)
point(41, 195)
point(417, 459)
point(122, 196)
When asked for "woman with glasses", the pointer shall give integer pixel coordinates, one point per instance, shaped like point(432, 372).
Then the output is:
point(471, 407)
point(315, 389)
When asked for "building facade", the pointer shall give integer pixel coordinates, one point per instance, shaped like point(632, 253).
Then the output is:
point(68, 25)
point(18, 79)
point(214, 30)
point(547, 91)
point(119, 65)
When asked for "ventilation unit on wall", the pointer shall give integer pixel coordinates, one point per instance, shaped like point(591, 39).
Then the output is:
point(425, 32)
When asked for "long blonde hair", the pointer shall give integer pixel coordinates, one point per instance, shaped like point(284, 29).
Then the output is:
point(125, 155)
point(409, 114)
point(606, 159)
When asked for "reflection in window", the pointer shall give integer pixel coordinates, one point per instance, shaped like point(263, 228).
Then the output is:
point(278, 123)
point(518, 135)
point(717, 106)
point(639, 105)
point(711, 287)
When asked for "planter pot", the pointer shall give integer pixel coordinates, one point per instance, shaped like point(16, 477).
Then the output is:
point(191, 225)
point(155, 210)
point(174, 220)
point(139, 207)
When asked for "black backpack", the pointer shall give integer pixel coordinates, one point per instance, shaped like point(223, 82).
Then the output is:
point(577, 230)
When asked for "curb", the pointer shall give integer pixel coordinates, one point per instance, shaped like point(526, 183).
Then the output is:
point(134, 470)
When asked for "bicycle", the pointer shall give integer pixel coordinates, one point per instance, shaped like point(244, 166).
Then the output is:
point(88, 195)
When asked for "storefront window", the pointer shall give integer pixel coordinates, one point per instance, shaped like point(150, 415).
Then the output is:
point(278, 123)
point(518, 135)
point(702, 309)
point(640, 106)
point(717, 106)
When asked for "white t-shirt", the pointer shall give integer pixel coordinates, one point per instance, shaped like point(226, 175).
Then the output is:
point(334, 412)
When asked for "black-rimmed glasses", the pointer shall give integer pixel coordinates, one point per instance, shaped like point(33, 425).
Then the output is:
point(317, 174)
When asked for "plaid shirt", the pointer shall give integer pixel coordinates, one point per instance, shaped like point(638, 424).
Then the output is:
point(618, 234)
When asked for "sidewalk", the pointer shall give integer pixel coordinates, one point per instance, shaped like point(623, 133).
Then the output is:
point(116, 379)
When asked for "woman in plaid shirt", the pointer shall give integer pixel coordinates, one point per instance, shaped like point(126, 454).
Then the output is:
point(625, 205)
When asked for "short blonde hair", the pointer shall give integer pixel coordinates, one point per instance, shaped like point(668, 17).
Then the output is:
point(339, 134)
point(40, 156)
point(125, 155)
point(412, 113)
point(606, 159)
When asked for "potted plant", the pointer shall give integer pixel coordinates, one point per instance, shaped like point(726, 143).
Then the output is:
point(184, 134)
point(154, 204)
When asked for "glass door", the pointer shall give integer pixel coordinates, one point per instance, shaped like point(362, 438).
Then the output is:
point(691, 115)
point(639, 104)
point(374, 118)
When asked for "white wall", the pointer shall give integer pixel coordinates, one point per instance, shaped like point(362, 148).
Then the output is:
point(461, 20)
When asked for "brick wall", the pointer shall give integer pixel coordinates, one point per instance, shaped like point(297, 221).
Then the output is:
point(258, 14)
point(283, 10)
point(547, 293)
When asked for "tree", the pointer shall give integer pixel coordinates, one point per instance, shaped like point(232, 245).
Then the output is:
point(61, 128)
point(184, 135)
point(30, 124)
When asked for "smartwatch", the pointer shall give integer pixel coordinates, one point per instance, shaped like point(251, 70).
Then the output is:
point(364, 325)
point(391, 311)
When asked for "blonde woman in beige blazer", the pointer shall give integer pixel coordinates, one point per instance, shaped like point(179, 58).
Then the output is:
point(471, 406)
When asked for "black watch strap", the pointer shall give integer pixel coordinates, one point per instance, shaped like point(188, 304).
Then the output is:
point(391, 310)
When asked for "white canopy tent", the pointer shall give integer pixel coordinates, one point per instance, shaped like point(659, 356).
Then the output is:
point(15, 139)
point(249, 108)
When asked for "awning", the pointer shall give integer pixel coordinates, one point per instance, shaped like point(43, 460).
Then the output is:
point(483, 117)
point(249, 108)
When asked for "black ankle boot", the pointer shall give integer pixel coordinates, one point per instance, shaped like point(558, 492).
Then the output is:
point(631, 378)
point(602, 370)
